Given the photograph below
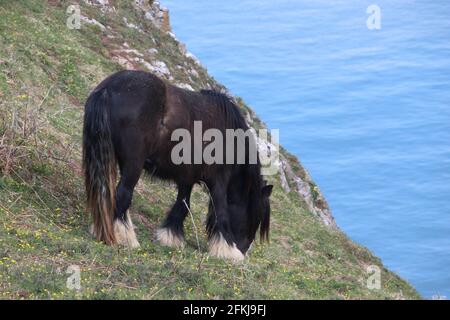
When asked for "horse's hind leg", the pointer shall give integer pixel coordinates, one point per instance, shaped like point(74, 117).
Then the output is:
point(220, 235)
point(123, 227)
point(171, 232)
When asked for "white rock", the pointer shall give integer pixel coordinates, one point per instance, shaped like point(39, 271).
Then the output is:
point(317, 206)
point(157, 67)
point(132, 51)
point(104, 5)
point(193, 72)
point(155, 13)
point(185, 86)
point(103, 2)
point(192, 57)
point(93, 22)
point(161, 67)
point(132, 25)
point(124, 62)
point(283, 179)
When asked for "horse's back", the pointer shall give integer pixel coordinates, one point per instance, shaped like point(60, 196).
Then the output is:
point(134, 96)
point(130, 79)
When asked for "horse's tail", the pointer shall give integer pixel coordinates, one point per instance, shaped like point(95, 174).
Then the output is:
point(99, 164)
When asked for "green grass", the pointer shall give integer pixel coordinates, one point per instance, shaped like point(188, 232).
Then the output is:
point(46, 72)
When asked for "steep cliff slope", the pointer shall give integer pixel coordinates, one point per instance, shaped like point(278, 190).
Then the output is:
point(47, 69)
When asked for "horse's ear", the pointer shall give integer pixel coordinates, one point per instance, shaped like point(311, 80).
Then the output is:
point(266, 191)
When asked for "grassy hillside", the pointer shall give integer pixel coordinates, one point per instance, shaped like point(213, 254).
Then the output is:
point(46, 73)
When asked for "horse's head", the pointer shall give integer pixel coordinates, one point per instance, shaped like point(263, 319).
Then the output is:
point(249, 211)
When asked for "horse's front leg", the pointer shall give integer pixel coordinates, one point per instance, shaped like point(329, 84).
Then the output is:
point(222, 242)
point(171, 232)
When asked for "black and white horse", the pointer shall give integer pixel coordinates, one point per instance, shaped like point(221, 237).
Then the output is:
point(129, 120)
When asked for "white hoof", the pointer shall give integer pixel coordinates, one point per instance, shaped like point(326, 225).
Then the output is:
point(167, 238)
point(124, 233)
point(219, 248)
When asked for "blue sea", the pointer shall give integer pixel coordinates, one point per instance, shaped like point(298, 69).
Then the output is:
point(366, 111)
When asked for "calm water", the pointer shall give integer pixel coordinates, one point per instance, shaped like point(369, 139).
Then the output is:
point(367, 112)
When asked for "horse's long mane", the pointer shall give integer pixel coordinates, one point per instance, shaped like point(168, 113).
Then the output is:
point(231, 112)
point(257, 218)
point(251, 173)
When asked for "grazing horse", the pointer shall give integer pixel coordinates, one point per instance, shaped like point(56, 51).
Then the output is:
point(129, 120)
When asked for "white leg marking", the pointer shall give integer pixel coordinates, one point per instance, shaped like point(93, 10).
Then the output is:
point(218, 247)
point(125, 234)
point(166, 237)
